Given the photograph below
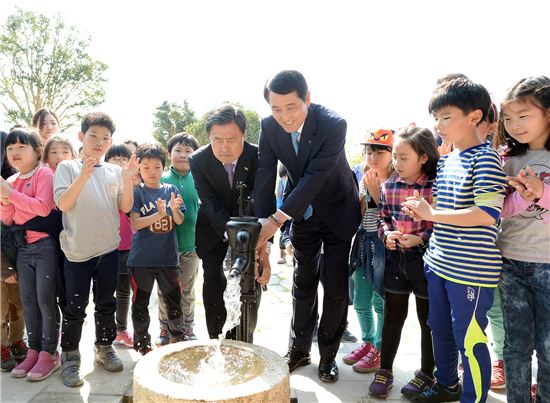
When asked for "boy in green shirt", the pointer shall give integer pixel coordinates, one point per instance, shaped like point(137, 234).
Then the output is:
point(180, 147)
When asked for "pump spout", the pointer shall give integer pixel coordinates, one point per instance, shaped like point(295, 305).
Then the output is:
point(237, 268)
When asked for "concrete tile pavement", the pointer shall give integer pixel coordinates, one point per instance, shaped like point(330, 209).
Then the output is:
point(272, 332)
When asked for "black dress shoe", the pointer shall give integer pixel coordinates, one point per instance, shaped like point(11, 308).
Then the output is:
point(328, 370)
point(296, 359)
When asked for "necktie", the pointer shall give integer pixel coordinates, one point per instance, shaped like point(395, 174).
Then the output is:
point(296, 144)
point(229, 170)
point(295, 141)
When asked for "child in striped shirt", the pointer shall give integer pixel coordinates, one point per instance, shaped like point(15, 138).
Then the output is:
point(462, 263)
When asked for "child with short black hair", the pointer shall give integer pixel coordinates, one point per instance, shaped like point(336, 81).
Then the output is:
point(57, 149)
point(11, 310)
point(462, 263)
point(180, 148)
point(279, 196)
point(90, 194)
point(25, 196)
point(157, 208)
point(368, 265)
point(120, 155)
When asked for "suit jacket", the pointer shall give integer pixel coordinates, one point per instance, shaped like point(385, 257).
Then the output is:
point(319, 175)
point(218, 201)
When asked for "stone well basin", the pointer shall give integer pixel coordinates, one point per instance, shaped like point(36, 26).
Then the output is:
point(252, 374)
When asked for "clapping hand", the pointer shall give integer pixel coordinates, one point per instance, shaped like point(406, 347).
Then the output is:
point(391, 239)
point(5, 190)
point(371, 181)
point(410, 241)
point(417, 207)
point(161, 207)
point(88, 166)
point(175, 202)
point(130, 169)
point(527, 184)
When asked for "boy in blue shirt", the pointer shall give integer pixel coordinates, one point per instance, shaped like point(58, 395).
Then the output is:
point(462, 263)
point(180, 147)
point(157, 209)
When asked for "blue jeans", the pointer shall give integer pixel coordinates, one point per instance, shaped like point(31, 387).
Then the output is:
point(374, 262)
point(525, 294)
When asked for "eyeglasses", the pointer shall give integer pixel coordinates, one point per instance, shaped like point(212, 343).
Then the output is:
point(117, 160)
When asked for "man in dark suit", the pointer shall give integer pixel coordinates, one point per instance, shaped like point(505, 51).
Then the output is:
point(217, 169)
point(321, 198)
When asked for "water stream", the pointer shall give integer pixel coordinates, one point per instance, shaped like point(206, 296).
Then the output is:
point(215, 361)
point(209, 366)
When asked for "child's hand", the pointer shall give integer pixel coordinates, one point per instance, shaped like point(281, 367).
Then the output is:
point(130, 169)
point(5, 189)
point(520, 188)
point(410, 241)
point(88, 166)
point(391, 239)
point(417, 208)
point(527, 183)
point(371, 181)
point(175, 202)
point(11, 279)
point(161, 207)
point(289, 250)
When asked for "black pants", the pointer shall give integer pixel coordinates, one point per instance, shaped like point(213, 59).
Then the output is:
point(307, 237)
point(102, 271)
point(122, 291)
point(168, 280)
point(396, 308)
point(37, 271)
point(212, 295)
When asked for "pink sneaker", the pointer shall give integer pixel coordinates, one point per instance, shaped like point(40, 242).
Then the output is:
point(47, 363)
point(498, 379)
point(28, 363)
point(357, 354)
point(124, 338)
point(369, 363)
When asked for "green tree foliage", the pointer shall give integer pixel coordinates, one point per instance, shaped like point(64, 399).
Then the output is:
point(44, 63)
point(171, 118)
point(253, 120)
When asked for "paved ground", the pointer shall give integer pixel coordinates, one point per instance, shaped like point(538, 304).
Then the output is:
point(272, 332)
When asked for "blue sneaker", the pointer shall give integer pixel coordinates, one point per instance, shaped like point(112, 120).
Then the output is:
point(439, 393)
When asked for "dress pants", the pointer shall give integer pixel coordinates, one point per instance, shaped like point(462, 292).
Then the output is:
point(307, 237)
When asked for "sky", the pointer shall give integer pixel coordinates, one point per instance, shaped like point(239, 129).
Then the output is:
point(374, 62)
